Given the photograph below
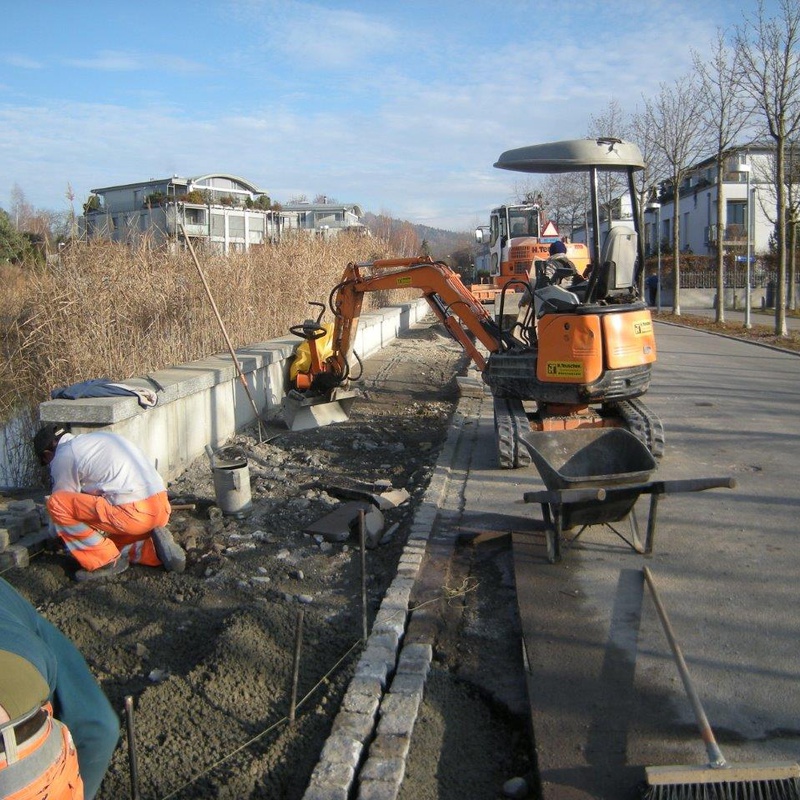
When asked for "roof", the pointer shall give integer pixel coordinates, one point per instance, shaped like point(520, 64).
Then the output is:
point(175, 180)
point(322, 207)
point(574, 155)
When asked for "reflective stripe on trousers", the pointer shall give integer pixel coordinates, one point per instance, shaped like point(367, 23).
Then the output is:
point(44, 768)
point(78, 518)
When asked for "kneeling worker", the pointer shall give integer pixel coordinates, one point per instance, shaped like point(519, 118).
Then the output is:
point(108, 504)
point(57, 729)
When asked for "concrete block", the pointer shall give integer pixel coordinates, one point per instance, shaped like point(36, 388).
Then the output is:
point(14, 555)
point(339, 524)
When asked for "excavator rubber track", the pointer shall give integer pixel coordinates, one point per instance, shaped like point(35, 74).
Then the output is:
point(641, 422)
point(511, 420)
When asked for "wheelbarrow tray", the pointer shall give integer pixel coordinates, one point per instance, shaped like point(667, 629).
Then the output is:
point(589, 457)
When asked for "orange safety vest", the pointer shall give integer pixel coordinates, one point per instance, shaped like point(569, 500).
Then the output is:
point(45, 765)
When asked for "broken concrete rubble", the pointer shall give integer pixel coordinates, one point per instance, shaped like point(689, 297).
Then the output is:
point(24, 528)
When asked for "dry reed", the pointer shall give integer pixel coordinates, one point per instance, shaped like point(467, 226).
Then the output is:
point(109, 311)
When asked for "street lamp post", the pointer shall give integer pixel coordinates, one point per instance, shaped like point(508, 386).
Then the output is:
point(655, 206)
point(748, 211)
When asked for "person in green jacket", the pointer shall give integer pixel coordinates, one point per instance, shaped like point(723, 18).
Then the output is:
point(41, 669)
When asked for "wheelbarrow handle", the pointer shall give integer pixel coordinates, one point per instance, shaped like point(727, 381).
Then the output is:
point(561, 496)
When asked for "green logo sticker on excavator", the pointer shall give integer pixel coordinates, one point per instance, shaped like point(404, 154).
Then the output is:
point(565, 369)
point(404, 281)
point(643, 328)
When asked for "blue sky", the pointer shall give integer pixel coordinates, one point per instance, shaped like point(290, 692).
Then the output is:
point(401, 107)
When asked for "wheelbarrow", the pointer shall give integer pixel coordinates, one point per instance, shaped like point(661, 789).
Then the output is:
point(594, 476)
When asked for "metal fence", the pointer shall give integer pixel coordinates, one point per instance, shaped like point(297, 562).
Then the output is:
point(760, 278)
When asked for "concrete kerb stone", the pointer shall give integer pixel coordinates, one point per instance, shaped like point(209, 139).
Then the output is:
point(387, 663)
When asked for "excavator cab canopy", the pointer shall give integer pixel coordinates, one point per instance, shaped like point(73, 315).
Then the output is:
point(592, 156)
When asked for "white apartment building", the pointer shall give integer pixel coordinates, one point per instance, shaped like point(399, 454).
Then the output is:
point(219, 210)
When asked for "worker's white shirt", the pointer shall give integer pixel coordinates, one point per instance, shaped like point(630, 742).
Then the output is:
point(104, 463)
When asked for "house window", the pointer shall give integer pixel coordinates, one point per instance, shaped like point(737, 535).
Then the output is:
point(735, 212)
point(195, 216)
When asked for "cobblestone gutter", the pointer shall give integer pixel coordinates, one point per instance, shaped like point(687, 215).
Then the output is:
point(365, 754)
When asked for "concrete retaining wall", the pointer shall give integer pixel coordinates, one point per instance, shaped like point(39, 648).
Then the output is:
point(204, 402)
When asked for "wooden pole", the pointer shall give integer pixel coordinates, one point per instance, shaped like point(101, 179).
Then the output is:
point(224, 332)
point(362, 535)
point(134, 770)
point(298, 645)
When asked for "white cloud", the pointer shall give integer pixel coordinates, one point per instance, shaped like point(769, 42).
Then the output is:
point(128, 61)
point(21, 62)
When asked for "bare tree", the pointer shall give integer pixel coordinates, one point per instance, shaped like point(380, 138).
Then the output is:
point(727, 114)
point(677, 132)
point(612, 123)
point(566, 196)
point(768, 49)
point(655, 166)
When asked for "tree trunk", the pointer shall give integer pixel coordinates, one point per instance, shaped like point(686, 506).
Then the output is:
point(676, 254)
point(720, 247)
point(780, 289)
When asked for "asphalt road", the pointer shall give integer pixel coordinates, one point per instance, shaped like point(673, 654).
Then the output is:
point(606, 697)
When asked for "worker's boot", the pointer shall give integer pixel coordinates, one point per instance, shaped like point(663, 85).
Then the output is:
point(115, 567)
point(169, 552)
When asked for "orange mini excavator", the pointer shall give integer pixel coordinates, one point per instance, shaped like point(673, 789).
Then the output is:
point(577, 356)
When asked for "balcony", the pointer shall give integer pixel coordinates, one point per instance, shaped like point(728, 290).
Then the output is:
point(732, 235)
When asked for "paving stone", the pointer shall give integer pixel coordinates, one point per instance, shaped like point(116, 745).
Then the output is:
point(378, 790)
point(390, 745)
point(15, 555)
point(390, 770)
point(408, 683)
point(353, 725)
point(341, 749)
point(361, 703)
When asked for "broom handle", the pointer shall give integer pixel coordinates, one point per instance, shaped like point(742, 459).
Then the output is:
point(210, 296)
point(715, 757)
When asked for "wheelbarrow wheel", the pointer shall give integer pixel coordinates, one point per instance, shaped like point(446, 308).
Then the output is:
point(552, 531)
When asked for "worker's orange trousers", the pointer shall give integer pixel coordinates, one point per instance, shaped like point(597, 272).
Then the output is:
point(81, 520)
point(46, 768)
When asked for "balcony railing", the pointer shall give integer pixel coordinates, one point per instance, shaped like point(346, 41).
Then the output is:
point(731, 234)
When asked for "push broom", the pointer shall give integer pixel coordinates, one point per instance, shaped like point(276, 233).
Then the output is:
point(717, 780)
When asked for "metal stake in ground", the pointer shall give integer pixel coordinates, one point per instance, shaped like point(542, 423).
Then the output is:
point(362, 536)
point(242, 379)
point(298, 645)
point(134, 770)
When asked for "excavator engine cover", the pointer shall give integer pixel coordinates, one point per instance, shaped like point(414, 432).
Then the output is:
point(629, 339)
point(570, 349)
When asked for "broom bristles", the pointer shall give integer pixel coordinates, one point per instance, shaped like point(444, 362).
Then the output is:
point(778, 781)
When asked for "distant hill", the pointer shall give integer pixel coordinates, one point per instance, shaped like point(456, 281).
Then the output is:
point(407, 239)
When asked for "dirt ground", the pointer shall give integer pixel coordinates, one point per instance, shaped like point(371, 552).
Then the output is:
point(207, 655)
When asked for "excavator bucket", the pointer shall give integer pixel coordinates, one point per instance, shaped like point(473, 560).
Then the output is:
point(303, 413)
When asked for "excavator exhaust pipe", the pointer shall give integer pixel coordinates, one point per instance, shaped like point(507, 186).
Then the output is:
point(303, 413)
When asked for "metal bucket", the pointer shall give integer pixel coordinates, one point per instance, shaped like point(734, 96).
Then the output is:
point(232, 486)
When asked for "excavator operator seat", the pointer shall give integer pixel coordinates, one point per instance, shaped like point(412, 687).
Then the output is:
point(554, 299)
point(618, 263)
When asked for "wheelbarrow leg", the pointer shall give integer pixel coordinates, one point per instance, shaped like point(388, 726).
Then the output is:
point(651, 523)
point(636, 542)
point(552, 531)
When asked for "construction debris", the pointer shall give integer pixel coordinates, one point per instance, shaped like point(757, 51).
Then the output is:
point(24, 527)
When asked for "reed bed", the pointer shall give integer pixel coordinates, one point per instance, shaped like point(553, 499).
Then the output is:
point(106, 310)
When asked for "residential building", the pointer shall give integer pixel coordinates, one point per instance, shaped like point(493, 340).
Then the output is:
point(326, 219)
point(699, 195)
point(218, 210)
